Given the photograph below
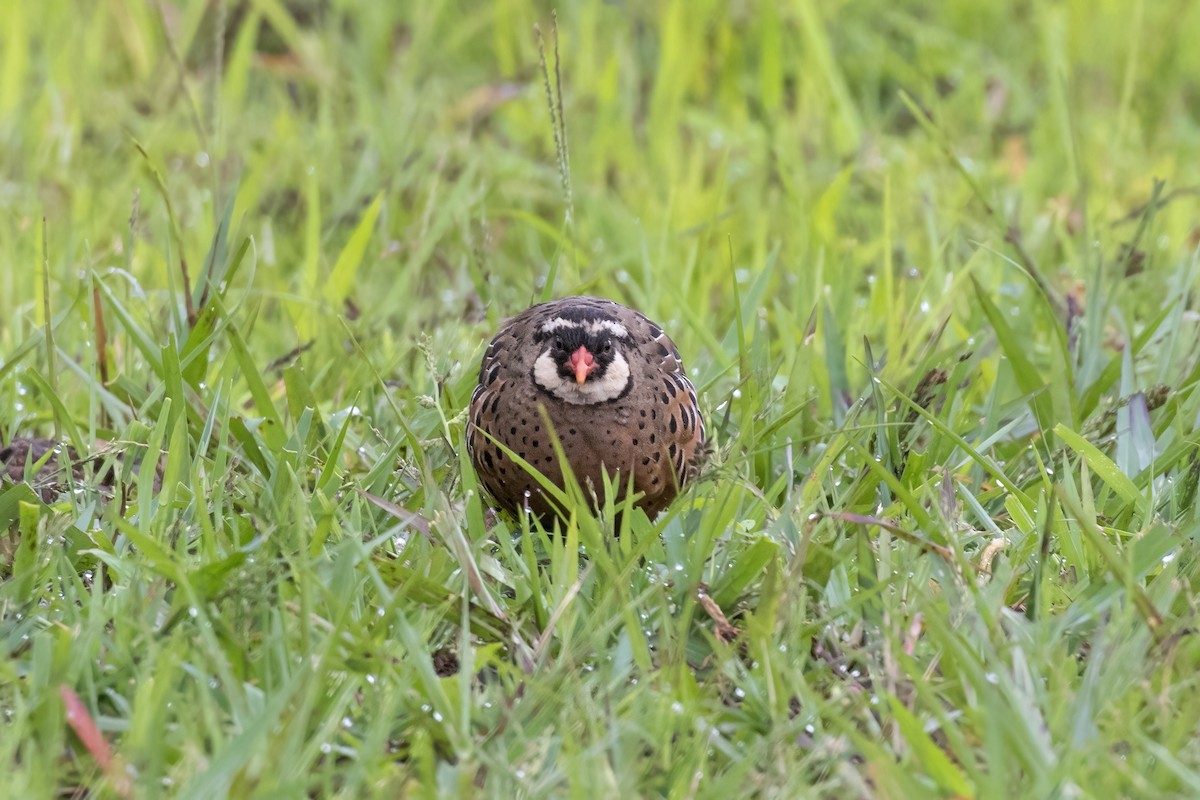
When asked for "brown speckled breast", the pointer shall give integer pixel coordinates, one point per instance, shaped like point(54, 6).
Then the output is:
point(652, 433)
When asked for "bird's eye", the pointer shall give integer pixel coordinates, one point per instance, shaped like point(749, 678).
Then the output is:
point(558, 344)
point(607, 347)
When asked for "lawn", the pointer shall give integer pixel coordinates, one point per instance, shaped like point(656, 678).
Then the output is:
point(932, 267)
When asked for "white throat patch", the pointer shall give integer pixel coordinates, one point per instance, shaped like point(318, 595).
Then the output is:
point(610, 387)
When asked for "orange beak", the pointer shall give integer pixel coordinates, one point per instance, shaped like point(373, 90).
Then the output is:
point(582, 362)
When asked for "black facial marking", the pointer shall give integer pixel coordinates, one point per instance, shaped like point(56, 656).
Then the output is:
point(565, 338)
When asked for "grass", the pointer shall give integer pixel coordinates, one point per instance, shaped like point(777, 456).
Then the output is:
point(940, 311)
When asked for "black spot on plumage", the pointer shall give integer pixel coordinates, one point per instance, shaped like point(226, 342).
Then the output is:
point(487, 458)
point(595, 434)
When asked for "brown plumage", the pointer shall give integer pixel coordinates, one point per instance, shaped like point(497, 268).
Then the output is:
point(614, 389)
point(21, 454)
point(50, 479)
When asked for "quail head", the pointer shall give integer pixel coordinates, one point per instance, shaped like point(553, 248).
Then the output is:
point(614, 391)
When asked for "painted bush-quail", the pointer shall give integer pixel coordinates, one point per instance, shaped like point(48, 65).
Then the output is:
point(614, 389)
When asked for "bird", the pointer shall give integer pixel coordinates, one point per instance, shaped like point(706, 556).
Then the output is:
point(19, 457)
point(613, 389)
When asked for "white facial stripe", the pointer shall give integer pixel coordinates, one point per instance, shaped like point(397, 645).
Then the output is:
point(615, 328)
point(558, 323)
point(610, 387)
point(592, 327)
